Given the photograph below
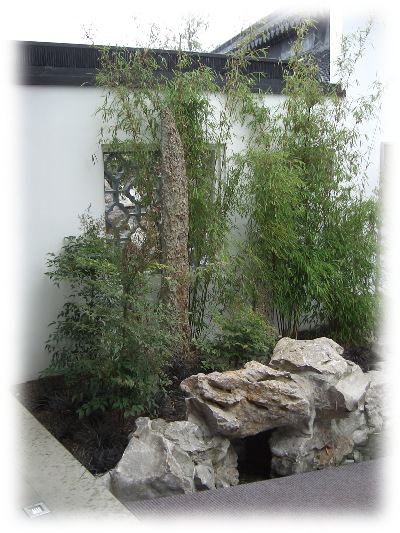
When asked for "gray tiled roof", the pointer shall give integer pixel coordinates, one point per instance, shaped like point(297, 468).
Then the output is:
point(279, 25)
point(267, 30)
point(323, 59)
point(277, 31)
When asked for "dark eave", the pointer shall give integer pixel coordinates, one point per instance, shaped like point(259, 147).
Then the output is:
point(263, 33)
point(63, 64)
point(278, 26)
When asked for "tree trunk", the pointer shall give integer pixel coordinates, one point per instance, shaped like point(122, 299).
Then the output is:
point(174, 231)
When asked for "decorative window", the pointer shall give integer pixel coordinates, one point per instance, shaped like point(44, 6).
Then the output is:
point(132, 190)
point(127, 203)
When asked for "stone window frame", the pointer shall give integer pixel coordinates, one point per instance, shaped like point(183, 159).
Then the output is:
point(121, 194)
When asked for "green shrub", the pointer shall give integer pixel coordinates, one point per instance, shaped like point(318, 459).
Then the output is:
point(110, 339)
point(241, 335)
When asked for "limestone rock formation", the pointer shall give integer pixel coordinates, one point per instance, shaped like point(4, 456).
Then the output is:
point(245, 402)
point(337, 383)
point(375, 406)
point(163, 459)
point(318, 404)
point(317, 408)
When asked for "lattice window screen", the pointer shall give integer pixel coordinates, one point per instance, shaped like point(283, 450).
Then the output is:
point(125, 213)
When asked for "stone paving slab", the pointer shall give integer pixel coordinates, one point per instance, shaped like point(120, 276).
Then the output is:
point(47, 472)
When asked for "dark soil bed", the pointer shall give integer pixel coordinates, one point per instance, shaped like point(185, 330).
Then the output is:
point(97, 441)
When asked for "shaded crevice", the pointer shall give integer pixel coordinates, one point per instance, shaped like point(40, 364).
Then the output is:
point(254, 457)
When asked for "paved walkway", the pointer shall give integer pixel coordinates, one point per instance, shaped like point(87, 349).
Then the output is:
point(48, 473)
point(353, 489)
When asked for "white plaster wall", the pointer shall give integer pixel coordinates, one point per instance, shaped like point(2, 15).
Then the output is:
point(380, 63)
point(347, 19)
point(57, 134)
point(56, 137)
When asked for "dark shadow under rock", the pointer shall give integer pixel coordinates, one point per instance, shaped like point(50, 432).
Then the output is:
point(365, 357)
point(254, 457)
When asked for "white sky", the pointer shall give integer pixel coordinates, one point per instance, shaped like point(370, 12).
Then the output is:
point(115, 22)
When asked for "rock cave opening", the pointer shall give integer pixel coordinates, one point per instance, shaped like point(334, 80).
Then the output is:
point(254, 457)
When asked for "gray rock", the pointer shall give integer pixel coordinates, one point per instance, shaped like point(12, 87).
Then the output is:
point(151, 467)
point(322, 409)
point(341, 394)
point(295, 453)
point(321, 356)
point(339, 385)
point(204, 477)
point(248, 401)
point(163, 459)
point(376, 399)
point(319, 405)
point(226, 473)
point(353, 386)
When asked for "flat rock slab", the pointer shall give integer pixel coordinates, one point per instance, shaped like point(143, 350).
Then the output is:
point(245, 402)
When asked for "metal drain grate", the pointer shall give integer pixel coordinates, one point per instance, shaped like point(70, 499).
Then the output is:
point(37, 509)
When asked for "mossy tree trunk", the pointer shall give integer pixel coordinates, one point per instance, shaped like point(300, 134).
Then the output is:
point(174, 232)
